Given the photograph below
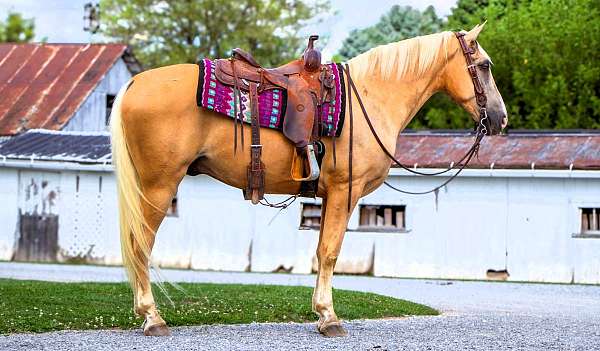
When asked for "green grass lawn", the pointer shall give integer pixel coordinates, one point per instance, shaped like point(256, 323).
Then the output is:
point(35, 306)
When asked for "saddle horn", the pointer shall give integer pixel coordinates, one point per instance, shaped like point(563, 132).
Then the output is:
point(312, 56)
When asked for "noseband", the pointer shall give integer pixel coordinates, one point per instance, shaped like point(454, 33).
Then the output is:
point(480, 132)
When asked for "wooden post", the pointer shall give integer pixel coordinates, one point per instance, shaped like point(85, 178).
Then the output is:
point(387, 217)
point(400, 219)
point(364, 216)
point(372, 216)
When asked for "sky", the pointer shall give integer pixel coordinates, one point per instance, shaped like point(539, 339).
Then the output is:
point(61, 21)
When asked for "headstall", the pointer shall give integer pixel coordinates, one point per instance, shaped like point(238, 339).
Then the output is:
point(481, 130)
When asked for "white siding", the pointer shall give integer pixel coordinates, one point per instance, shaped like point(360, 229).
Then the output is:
point(477, 223)
point(39, 192)
point(91, 116)
point(213, 230)
point(9, 213)
point(461, 234)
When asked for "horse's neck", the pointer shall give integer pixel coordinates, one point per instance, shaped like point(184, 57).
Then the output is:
point(392, 103)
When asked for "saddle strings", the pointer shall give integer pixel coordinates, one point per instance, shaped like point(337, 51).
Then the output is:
point(235, 106)
point(237, 109)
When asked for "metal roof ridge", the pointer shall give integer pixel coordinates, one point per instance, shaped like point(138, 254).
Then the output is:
point(63, 43)
point(509, 133)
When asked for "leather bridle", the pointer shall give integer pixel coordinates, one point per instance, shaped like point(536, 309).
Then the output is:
point(480, 97)
point(480, 131)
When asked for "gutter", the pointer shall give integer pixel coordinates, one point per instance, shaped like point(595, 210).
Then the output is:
point(394, 172)
point(56, 166)
point(505, 173)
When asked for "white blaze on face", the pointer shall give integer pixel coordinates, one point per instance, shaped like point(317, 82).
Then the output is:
point(495, 94)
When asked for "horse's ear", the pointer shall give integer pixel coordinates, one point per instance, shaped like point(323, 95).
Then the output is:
point(472, 35)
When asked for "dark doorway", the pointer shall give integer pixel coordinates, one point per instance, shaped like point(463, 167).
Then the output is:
point(38, 238)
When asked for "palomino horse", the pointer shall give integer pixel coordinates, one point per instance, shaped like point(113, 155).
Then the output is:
point(158, 133)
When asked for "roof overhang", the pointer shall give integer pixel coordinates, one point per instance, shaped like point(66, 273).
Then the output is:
point(394, 172)
point(502, 173)
point(54, 165)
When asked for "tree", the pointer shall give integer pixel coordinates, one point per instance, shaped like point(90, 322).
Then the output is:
point(465, 12)
point(400, 23)
point(162, 32)
point(546, 55)
point(16, 29)
point(403, 22)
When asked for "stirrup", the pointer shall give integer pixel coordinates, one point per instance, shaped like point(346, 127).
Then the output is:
point(298, 168)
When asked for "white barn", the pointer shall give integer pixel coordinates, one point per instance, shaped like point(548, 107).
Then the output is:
point(67, 87)
point(527, 210)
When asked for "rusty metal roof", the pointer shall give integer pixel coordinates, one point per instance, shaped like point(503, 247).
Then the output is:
point(427, 150)
point(43, 85)
point(548, 150)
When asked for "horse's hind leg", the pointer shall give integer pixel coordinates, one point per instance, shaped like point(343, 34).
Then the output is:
point(150, 164)
point(156, 134)
point(159, 197)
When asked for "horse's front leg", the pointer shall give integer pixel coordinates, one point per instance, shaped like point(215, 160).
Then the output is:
point(334, 222)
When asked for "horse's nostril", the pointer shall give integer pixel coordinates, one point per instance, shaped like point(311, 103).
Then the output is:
point(504, 122)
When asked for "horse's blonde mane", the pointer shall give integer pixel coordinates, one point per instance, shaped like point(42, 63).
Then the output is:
point(398, 60)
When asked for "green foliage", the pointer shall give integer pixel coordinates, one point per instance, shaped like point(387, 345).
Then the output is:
point(57, 306)
point(545, 54)
point(400, 23)
point(465, 12)
point(440, 112)
point(166, 32)
point(16, 29)
point(403, 22)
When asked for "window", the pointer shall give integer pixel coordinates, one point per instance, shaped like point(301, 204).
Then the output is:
point(110, 100)
point(382, 217)
point(590, 220)
point(172, 210)
point(311, 216)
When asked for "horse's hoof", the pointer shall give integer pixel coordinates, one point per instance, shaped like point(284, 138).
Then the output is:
point(333, 331)
point(157, 330)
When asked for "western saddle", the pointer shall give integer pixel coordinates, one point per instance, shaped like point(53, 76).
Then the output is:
point(308, 83)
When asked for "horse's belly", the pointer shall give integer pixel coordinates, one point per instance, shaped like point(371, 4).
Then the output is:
point(218, 159)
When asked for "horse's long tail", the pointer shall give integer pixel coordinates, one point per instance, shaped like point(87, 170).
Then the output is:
point(135, 248)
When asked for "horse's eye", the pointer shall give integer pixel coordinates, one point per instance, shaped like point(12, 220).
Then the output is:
point(485, 65)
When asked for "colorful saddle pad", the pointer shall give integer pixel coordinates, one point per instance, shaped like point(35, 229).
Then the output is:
point(216, 96)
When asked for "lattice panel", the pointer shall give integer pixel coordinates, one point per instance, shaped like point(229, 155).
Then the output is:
point(84, 237)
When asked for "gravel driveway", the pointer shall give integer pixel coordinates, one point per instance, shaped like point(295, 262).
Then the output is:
point(476, 316)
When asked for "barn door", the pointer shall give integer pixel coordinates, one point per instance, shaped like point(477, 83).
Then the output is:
point(38, 216)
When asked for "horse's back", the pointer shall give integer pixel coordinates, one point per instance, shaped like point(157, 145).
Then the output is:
point(160, 115)
point(169, 87)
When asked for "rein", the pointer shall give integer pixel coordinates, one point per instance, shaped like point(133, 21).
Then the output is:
point(481, 130)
